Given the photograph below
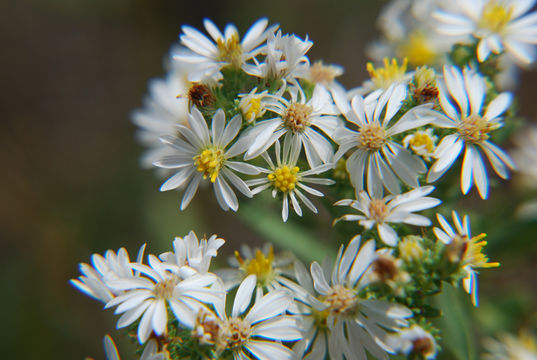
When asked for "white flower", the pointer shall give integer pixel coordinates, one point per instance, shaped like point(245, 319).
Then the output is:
point(193, 252)
point(422, 143)
point(390, 209)
point(150, 350)
point(253, 105)
point(473, 125)
point(322, 74)
point(338, 322)
point(285, 58)
point(414, 340)
point(210, 57)
point(299, 118)
point(500, 25)
point(258, 333)
point(464, 249)
point(286, 178)
point(383, 77)
point(262, 263)
point(509, 347)
point(164, 108)
point(375, 156)
point(161, 285)
point(112, 266)
point(200, 154)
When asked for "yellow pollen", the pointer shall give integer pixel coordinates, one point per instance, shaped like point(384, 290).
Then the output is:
point(164, 289)
point(475, 129)
point(236, 332)
point(341, 301)
point(371, 137)
point(297, 117)
point(284, 178)
point(209, 162)
point(495, 16)
point(378, 210)
point(410, 248)
point(321, 73)
point(230, 50)
point(261, 265)
point(422, 139)
point(383, 77)
point(417, 49)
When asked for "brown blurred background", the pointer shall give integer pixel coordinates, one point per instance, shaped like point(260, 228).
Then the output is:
point(72, 71)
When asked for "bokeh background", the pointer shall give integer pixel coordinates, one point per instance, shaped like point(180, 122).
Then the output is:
point(72, 72)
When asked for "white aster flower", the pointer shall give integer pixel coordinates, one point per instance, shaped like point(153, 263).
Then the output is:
point(473, 125)
point(390, 209)
point(464, 249)
point(510, 347)
point(193, 252)
point(422, 143)
point(336, 320)
point(285, 178)
point(161, 285)
point(299, 118)
point(201, 154)
point(500, 25)
point(285, 58)
point(150, 350)
point(256, 333)
point(375, 158)
point(93, 281)
point(383, 77)
point(227, 49)
point(262, 263)
point(414, 341)
point(253, 105)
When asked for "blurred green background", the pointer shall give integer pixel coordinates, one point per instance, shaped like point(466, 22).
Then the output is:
point(72, 71)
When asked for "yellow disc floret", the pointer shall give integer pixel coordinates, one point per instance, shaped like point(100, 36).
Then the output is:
point(383, 77)
point(495, 16)
point(253, 107)
point(260, 266)
point(417, 49)
point(372, 137)
point(209, 162)
point(230, 50)
point(475, 129)
point(284, 178)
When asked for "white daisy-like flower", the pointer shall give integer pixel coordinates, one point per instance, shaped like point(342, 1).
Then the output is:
point(473, 124)
point(299, 118)
point(163, 109)
point(375, 157)
point(253, 105)
point(262, 263)
point(192, 252)
point(253, 334)
point(464, 249)
point(422, 143)
point(380, 212)
point(201, 154)
point(150, 350)
point(383, 77)
point(285, 178)
point(93, 281)
point(227, 49)
point(337, 322)
point(510, 347)
point(285, 58)
point(161, 285)
point(414, 341)
point(500, 25)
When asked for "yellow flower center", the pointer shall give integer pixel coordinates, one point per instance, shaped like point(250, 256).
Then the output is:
point(209, 162)
point(260, 266)
point(236, 332)
point(341, 300)
point(495, 16)
point(297, 117)
point(410, 248)
point(371, 137)
point(417, 49)
point(284, 178)
point(322, 74)
point(378, 210)
point(164, 289)
point(253, 107)
point(230, 50)
point(383, 77)
point(422, 140)
point(475, 129)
